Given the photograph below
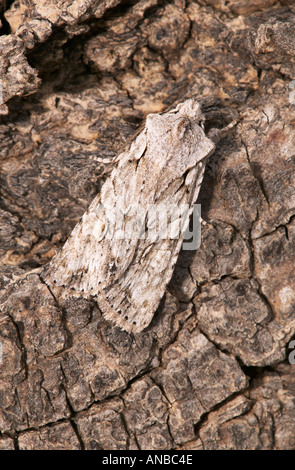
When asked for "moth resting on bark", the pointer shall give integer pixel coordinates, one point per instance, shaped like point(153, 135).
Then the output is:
point(128, 276)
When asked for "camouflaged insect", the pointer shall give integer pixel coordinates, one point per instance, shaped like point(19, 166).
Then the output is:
point(128, 275)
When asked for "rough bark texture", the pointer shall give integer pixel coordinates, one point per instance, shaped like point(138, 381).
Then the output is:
point(210, 372)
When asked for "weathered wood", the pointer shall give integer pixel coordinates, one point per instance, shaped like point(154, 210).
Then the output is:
point(210, 371)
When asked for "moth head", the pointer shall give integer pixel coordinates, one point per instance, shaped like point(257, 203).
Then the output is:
point(177, 121)
point(176, 139)
point(190, 109)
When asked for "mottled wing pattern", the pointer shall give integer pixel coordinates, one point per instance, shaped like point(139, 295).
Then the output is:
point(111, 257)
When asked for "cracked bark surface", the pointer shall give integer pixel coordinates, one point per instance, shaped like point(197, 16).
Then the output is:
point(211, 370)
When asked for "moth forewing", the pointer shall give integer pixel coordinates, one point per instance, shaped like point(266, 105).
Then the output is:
point(111, 254)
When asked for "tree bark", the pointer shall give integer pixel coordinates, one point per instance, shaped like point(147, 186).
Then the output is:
point(212, 370)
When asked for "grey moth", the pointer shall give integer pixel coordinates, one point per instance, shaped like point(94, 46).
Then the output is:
point(109, 254)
